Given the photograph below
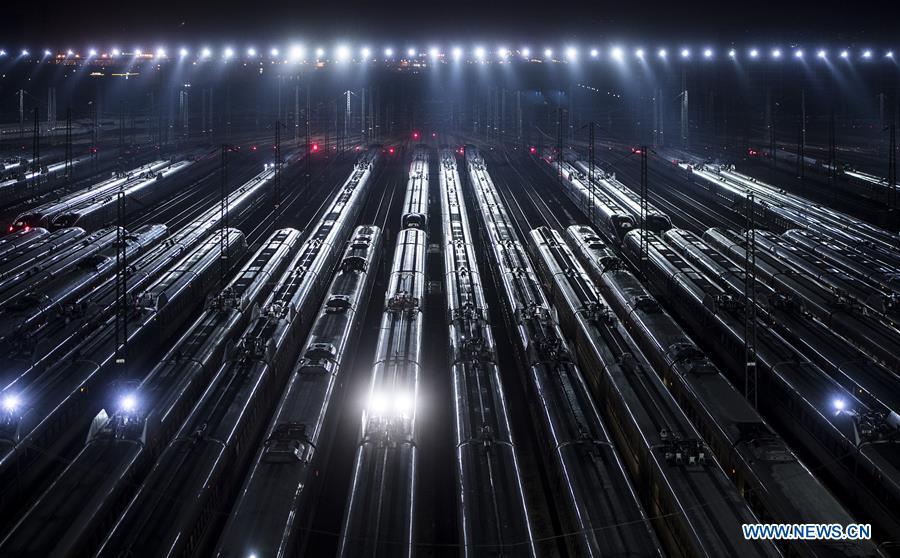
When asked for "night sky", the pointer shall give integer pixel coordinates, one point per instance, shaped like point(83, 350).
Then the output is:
point(81, 22)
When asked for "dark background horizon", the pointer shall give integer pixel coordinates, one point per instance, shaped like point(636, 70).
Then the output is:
point(55, 24)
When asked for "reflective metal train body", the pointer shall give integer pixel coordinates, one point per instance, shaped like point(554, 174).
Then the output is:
point(857, 448)
point(656, 220)
point(824, 216)
point(20, 239)
point(415, 202)
point(606, 213)
point(212, 450)
point(823, 273)
point(768, 474)
point(852, 261)
point(31, 277)
point(695, 507)
point(490, 498)
point(833, 297)
point(735, 197)
point(50, 336)
point(779, 211)
point(274, 509)
point(13, 166)
point(41, 302)
point(28, 183)
point(379, 519)
point(816, 339)
point(56, 404)
point(53, 254)
point(595, 499)
point(23, 258)
point(74, 514)
point(101, 210)
point(43, 215)
point(876, 186)
point(879, 300)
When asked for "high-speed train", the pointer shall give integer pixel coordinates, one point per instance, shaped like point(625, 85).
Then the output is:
point(596, 502)
point(379, 519)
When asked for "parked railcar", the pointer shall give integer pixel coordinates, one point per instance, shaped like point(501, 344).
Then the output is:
point(767, 473)
point(43, 343)
point(379, 519)
point(696, 510)
point(597, 504)
point(28, 183)
point(43, 270)
point(859, 449)
point(55, 405)
point(43, 215)
point(605, 212)
point(210, 453)
point(415, 202)
point(490, 497)
point(39, 303)
point(871, 331)
point(75, 512)
point(656, 220)
point(274, 508)
point(20, 239)
point(102, 209)
point(24, 257)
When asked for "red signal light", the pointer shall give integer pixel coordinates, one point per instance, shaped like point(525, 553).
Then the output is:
point(533, 149)
point(415, 135)
point(315, 147)
point(391, 150)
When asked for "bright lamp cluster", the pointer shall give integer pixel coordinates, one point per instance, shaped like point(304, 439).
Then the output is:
point(299, 53)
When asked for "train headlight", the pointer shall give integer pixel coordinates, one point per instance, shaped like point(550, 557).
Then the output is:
point(128, 403)
point(390, 405)
point(378, 404)
point(11, 403)
point(402, 405)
